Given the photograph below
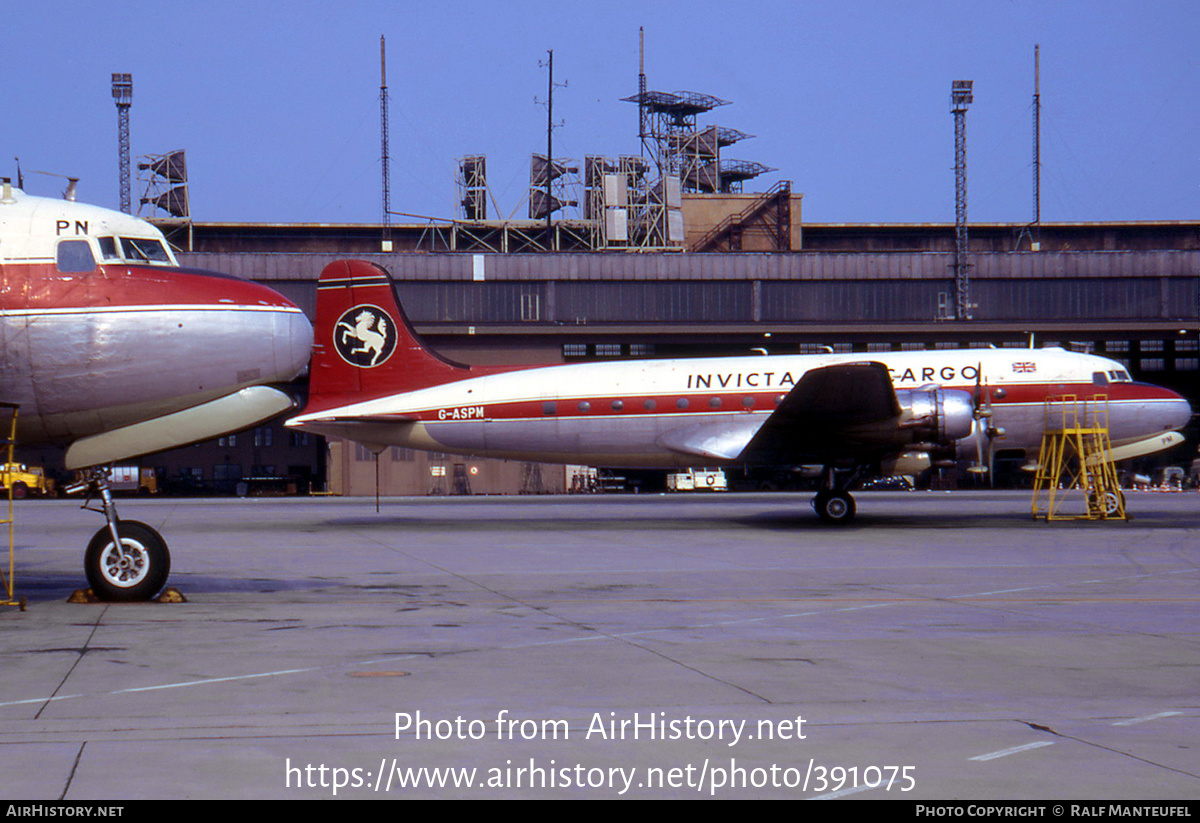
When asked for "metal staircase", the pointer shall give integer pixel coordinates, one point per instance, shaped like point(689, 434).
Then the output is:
point(770, 215)
point(1076, 478)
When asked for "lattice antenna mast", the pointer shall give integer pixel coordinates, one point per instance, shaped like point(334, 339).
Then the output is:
point(122, 92)
point(643, 134)
point(1037, 137)
point(383, 141)
point(550, 126)
point(549, 135)
point(961, 96)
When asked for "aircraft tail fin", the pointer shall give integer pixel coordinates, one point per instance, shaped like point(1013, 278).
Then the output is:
point(364, 344)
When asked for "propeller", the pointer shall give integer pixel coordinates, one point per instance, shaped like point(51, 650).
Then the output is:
point(982, 431)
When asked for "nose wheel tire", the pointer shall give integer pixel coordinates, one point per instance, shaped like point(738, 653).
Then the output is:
point(1110, 503)
point(834, 507)
point(137, 572)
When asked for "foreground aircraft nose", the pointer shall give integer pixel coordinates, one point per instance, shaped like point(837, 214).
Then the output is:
point(253, 334)
point(188, 356)
point(291, 336)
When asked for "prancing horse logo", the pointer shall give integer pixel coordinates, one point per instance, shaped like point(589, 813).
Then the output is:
point(364, 337)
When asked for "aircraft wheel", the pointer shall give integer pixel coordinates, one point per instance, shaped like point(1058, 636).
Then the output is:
point(1113, 502)
point(836, 508)
point(142, 572)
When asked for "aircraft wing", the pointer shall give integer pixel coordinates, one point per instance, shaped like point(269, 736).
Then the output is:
point(718, 441)
point(835, 411)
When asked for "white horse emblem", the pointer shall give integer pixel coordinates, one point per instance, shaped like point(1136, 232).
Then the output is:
point(368, 340)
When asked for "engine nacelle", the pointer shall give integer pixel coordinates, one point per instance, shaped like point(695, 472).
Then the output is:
point(909, 462)
point(936, 415)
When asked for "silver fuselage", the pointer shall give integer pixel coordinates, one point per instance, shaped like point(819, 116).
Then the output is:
point(631, 413)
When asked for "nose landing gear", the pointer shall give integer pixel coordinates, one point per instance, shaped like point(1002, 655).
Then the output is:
point(126, 560)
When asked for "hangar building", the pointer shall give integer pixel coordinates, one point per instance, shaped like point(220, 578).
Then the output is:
point(750, 276)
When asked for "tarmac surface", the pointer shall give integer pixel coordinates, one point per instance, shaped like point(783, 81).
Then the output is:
point(944, 646)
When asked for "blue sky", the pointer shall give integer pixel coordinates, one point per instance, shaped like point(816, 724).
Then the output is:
point(277, 103)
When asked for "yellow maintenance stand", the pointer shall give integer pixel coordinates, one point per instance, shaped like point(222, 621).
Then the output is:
point(1075, 471)
point(7, 444)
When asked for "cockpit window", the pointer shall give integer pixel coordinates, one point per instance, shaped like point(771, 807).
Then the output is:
point(1099, 378)
point(144, 250)
point(1120, 376)
point(75, 257)
point(108, 248)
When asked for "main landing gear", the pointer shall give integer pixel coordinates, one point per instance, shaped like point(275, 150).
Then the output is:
point(833, 503)
point(126, 560)
point(834, 506)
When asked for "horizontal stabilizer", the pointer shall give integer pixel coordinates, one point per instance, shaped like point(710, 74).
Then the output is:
point(355, 419)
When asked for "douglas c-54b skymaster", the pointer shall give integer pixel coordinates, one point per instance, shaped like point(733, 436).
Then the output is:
point(108, 347)
point(374, 382)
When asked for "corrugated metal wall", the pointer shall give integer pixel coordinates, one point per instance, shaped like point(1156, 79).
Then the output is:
point(728, 288)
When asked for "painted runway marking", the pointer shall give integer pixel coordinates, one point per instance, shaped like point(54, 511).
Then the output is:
point(1013, 750)
point(203, 682)
point(843, 792)
point(1131, 721)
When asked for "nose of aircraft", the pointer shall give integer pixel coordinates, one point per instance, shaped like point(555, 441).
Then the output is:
point(1162, 409)
point(277, 334)
point(1177, 411)
point(247, 334)
point(299, 343)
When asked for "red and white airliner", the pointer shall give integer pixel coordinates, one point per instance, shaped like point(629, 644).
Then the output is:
point(374, 382)
point(111, 349)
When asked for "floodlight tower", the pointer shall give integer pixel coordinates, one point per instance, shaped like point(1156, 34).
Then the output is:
point(122, 92)
point(961, 97)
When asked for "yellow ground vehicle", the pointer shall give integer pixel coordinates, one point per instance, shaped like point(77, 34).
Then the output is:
point(25, 480)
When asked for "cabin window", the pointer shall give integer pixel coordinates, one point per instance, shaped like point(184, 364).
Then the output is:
point(617, 405)
point(144, 249)
point(584, 406)
point(75, 257)
point(681, 403)
point(648, 404)
point(549, 407)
